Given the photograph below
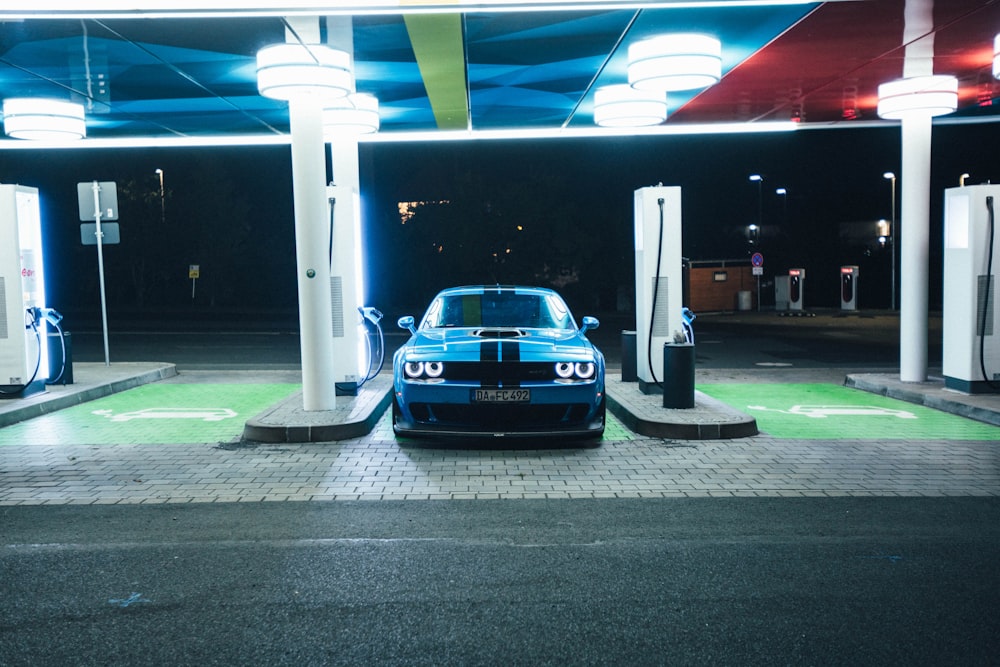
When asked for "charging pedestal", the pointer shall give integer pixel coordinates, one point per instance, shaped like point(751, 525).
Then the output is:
point(848, 288)
point(658, 279)
point(345, 285)
point(24, 363)
point(970, 317)
point(796, 289)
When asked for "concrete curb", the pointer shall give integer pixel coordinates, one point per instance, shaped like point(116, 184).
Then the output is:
point(709, 419)
point(354, 416)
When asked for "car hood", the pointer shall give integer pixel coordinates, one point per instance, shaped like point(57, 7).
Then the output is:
point(468, 344)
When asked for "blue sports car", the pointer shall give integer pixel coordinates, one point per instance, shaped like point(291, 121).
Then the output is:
point(498, 361)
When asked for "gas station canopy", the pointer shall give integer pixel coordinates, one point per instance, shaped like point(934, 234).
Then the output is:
point(184, 70)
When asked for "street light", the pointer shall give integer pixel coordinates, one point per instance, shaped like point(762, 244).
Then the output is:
point(757, 178)
point(163, 201)
point(892, 236)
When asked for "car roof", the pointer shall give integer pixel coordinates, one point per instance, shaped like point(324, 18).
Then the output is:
point(481, 289)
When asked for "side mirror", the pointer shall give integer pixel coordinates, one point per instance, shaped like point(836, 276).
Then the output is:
point(406, 322)
point(589, 323)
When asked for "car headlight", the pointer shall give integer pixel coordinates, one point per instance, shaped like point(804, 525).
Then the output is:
point(585, 371)
point(423, 369)
point(564, 369)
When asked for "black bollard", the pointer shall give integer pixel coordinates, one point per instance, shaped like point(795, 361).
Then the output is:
point(678, 375)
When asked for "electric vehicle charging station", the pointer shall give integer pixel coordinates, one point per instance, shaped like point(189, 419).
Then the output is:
point(658, 279)
point(345, 286)
point(796, 289)
point(24, 362)
point(971, 319)
point(848, 288)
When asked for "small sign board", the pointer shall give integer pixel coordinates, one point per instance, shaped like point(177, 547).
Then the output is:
point(107, 198)
point(758, 270)
point(88, 233)
point(194, 271)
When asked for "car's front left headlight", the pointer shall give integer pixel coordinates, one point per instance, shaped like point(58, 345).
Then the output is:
point(567, 370)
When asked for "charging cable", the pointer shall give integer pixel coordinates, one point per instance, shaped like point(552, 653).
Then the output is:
point(986, 298)
point(656, 290)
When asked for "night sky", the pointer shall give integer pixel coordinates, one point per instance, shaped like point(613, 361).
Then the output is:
point(229, 211)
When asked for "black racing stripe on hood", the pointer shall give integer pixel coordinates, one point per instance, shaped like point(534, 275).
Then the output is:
point(489, 359)
point(510, 355)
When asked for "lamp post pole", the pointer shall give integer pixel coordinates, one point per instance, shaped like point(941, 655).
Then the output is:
point(163, 200)
point(757, 178)
point(892, 237)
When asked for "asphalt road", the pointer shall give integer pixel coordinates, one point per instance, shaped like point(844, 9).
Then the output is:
point(582, 582)
point(830, 339)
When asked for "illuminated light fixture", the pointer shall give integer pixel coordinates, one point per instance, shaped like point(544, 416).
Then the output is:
point(355, 114)
point(682, 61)
point(42, 119)
point(624, 106)
point(918, 97)
point(996, 57)
point(288, 71)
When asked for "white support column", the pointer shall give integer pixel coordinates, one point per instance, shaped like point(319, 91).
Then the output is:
point(312, 242)
point(914, 248)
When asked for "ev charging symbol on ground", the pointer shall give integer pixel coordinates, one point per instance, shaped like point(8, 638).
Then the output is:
point(824, 411)
point(201, 414)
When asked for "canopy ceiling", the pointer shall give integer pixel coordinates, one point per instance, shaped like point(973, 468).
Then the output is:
point(444, 69)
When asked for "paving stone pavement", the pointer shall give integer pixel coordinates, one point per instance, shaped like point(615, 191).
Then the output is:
point(377, 466)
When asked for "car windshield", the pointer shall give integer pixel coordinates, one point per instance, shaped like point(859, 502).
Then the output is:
point(499, 309)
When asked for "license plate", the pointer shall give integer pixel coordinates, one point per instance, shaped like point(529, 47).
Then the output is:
point(501, 395)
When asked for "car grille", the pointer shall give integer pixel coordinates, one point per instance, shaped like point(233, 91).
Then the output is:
point(492, 417)
point(500, 371)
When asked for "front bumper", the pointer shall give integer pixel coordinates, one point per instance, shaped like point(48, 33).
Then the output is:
point(447, 409)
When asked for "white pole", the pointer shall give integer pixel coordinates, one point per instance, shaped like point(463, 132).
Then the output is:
point(914, 253)
point(312, 243)
point(100, 269)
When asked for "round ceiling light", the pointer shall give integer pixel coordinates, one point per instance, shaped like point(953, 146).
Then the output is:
point(287, 71)
point(682, 61)
point(624, 106)
point(918, 97)
point(42, 119)
point(996, 57)
point(355, 114)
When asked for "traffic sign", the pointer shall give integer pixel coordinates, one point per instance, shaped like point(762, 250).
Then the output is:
point(757, 259)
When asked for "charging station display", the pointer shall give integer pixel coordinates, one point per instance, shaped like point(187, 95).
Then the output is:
point(970, 318)
point(24, 363)
point(848, 288)
point(796, 289)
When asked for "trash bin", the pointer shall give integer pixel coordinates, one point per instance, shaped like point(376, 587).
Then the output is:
point(58, 373)
point(629, 364)
point(678, 375)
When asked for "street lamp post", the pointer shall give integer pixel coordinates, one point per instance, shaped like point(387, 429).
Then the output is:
point(892, 237)
point(163, 200)
point(759, 180)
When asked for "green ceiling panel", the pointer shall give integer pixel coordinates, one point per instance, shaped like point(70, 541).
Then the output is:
point(439, 47)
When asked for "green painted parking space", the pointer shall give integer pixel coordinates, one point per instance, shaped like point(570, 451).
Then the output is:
point(831, 412)
point(153, 414)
